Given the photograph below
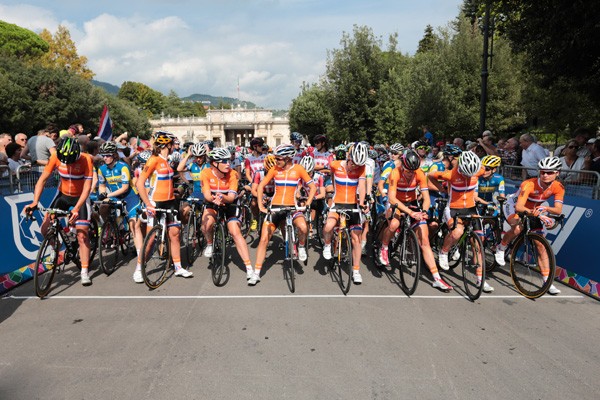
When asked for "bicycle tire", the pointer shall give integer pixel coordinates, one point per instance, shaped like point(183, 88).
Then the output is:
point(409, 257)
point(125, 237)
point(109, 247)
point(376, 241)
point(438, 242)
point(527, 276)
point(319, 224)
point(46, 263)
point(288, 262)
point(492, 237)
point(245, 220)
point(473, 273)
point(343, 261)
point(220, 270)
point(192, 240)
point(155, 257)
point(93, 237)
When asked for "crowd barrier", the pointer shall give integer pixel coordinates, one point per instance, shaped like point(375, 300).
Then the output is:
point(573, 245)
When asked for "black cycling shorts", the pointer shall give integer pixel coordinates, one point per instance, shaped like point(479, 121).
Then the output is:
point(66, 203)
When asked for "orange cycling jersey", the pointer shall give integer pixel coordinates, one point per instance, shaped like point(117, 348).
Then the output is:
point(286, 183)
point(406, 188)
point(462, 188)
point(345, 183)
point(226, 184)
point(534, 195)
point(72, 176)
point(162, 188)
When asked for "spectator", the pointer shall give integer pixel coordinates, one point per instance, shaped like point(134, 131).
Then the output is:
point(571, 162)
point(487, 142)
point(52, 130)
point(479, 150)
point(486, 134)
point(459, 142)
point(589, 145)
point(592, 162)
point(435, 150)
point(13, 152)
point(581, 136)
point(532, 154)
point(39, 148)
point(508, 152)
point(428, 135)
point(5, 139)
point(21, 140)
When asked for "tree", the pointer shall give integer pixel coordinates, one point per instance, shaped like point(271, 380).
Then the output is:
point(309, 114)
point(144, 97)
point(429, 40)
point(63, 53)
point(20, 42)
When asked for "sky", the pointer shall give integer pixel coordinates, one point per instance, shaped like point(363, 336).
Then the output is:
point(195, 46)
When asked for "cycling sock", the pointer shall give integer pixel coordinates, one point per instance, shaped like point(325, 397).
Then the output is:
point(436, 276)
point(363, 243)
point(248, 264)
point(84, 269)
point(356, 268)
point(257, 268)
point(384, 247)
point(502, 245)
point(300, 244)
point(177, 263)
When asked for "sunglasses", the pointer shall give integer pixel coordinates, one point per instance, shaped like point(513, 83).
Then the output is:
point(488, 168)
point(106, 155)
point(394, 153)
point(547, 172)
point(423, 148)
point(279, 159)
point(225, 162)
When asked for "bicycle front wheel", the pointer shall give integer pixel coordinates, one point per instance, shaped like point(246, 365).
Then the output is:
point(245, 219)
point(156, 257)
point(532, 265)
point(109, 247)
point(288, 262)
point(46, 263)
point(192, 240)
point(409, 257)
point(473, 266)
point(220, 270)
point(343, 261)
point(492, 237)
point(94, 241)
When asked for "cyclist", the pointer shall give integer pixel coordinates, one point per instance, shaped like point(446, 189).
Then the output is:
point(463, 182)
point(439, 190)
point(370, 170)
point(349, 178)
point(296, 139)
point(318, 203)
point(490, 182)
point(286, 176)
point(162, 193)
point(114, 178)
point(422, 148)
point(395, 152)
point(235, 162)
point(529, 199)
point(252, 164)
point(323, 158)
point(197, 154)
point(219, 186)
point(404, 183)
point(75, 170)
point(269, 190)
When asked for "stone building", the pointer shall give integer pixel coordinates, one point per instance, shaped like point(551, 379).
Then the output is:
point(236, 126)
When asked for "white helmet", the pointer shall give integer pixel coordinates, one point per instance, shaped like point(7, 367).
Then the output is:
point(359, 153)
point(285, 150)
point(219, 154)
point(551, 163)
point(308, 163)
point(397, 147)
point(175, 157)
point(468, 163)
point(198, 150)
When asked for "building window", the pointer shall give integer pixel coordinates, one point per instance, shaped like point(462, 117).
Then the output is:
point(277, 141)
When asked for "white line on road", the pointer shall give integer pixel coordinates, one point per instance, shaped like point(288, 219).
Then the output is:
point(284, 296)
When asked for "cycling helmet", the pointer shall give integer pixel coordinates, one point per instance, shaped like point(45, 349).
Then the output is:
point(162, 138)
point(421, 144)
point(308, 163)
point(319, 139)
point(68, 150)
point(468, 163)
point(210, 144)
point(380, 148)
point(198, 150)
point(108, 148)
point(295, 136)
point(285, 150)
point(269, 162)
point(144, 156)
point(396, 147)
point(551, 163)
point(256, 142)
point(265, 147)
point(411, 160)
point(244, 151)
point(231, 149)
point(219, 154)
point(358, 153)
point(491, 161)
point(373, 154)
point(340, 154)
point(452, 150)
point(175, 157)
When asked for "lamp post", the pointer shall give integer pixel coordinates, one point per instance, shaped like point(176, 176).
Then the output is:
point(484, 69)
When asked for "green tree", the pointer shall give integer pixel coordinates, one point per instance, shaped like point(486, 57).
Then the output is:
point(63, 53)
point(309, 113)
point(429, 40)
point(144, 97)
point(20, 42)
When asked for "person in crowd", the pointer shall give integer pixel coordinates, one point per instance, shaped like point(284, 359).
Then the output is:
point(500, 144)
point(5, 139)
point(532, 154)
point(487, 143)
point(459, 142)
point(21, 140)
point(508, 152)
point(592, 162)
point(581, 136)
point(571, 162)
point(13, 152)
point(427, 135)
point(39, 149)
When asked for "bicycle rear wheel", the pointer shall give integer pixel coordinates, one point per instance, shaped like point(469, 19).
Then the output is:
point(288, 262)
point(528, 251)
point(492, 237)
point(46, 263)
point(245, 215)
point(109, 247)
point(94, 241)
point(156, 257)
point(473, 266)
point(409, 257)
point(220, 270)
point(192, 240)
point(343, 261)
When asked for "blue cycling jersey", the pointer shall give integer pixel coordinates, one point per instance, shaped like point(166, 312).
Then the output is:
point(487, 187)
point(195, 170)
point(114, 178)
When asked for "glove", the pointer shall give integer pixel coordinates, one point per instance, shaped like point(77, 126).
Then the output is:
point(102, 196)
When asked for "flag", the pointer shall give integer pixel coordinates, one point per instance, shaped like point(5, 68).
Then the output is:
point(105, 129)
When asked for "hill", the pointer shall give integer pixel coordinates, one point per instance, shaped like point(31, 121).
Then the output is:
point(214, 100)
point(112, 89)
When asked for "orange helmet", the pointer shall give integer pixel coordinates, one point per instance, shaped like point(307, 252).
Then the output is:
point(269, 162)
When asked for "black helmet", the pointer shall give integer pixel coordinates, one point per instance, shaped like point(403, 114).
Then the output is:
point(108, 148)
point(411, 160)
point(256, 142)
point(68, 150)
point(296, 137)
point(319, 139)
point(210, 144)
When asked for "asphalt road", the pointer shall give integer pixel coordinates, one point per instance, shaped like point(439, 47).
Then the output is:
point(191, 340)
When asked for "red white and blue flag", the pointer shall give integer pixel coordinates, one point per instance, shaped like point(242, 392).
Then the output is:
point(105, 131)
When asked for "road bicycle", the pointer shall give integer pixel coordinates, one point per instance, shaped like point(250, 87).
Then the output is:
point(156, 250)
point(193, 238)
point(404, 251)
point(115, 235)
point(58, 249)
point(290, 244)
point(341, 249)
